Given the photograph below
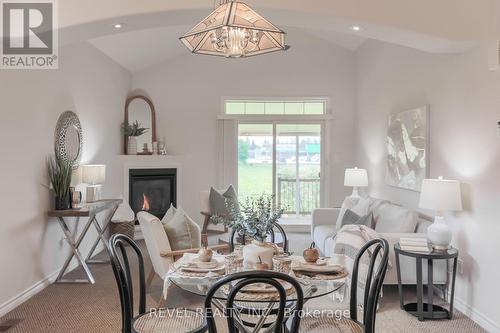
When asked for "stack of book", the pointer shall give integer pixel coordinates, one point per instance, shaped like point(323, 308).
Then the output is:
point(414, 244)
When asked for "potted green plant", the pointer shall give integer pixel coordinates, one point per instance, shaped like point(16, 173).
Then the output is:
point(255, 219)
point(60, 172)
point(132, 132)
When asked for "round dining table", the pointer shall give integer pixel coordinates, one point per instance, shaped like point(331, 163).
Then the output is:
point(259, 307)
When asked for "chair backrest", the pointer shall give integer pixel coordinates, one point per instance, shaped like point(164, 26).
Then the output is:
point(121, 269)
point(373, 282)
point(251, 277)
point(156, 242)
point(272, 237)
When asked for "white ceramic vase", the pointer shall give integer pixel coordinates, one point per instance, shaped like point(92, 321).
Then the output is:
point(256, 249)
point(132, 145)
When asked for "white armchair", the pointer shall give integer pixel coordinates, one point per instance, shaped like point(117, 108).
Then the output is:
point(156, 242)
point(159, 249)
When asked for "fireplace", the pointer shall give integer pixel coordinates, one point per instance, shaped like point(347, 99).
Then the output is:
point(152, 190)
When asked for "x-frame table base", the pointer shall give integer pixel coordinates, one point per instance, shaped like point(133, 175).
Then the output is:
point(75, 241)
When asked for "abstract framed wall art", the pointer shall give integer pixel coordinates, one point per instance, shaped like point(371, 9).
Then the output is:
point(407, 148)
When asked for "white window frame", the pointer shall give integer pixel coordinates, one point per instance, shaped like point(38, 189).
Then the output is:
point(323, 120)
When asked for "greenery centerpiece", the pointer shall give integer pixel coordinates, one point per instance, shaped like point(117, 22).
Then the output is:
point(60, 171)
point(132, 132)
point(254, 219)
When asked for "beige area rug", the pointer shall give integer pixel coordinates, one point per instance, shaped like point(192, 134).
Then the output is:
point(64, 308)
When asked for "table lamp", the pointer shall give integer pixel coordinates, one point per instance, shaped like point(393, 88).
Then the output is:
point(94, 175)
point(356, 178)
point(440, 195)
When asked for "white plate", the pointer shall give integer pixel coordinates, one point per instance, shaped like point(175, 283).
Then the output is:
point(264, 287)
point(194, 268)
point(330, 268)
point(206, 264)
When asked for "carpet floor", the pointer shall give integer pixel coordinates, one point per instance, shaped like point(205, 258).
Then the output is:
point(63, 308)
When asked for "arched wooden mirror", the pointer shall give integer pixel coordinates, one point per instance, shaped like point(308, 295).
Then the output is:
point(140, 109)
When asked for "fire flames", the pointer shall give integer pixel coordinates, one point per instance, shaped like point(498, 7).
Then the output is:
point(145, 202)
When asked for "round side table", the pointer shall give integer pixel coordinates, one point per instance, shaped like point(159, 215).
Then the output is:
point(420, 309)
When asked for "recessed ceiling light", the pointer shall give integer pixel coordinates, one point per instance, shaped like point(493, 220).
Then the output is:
point(356, 28)
point(118, 25)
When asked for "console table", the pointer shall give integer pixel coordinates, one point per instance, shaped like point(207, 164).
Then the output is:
point(420, 309)
point(89, 211)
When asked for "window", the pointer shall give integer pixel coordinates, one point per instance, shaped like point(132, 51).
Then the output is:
point(279, 148)
point(275, 107)
point(283, 159)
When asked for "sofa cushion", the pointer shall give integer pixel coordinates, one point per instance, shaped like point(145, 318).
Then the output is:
point(182, 232)
point(362, 207)
point(169, 214)
point(351, 217)
point(392, 218)
point(329, 246)
point(356, 204)
point(221, 201)
point(321, 233)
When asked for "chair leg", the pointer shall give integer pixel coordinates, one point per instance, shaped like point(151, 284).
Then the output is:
point(151, 276)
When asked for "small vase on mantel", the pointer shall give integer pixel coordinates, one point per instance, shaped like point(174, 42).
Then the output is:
point(256, 249)
point(132, 145)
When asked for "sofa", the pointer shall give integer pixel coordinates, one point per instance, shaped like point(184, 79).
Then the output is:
point(390, 221)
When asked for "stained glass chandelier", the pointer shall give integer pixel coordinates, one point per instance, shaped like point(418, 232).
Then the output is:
point(234, 30)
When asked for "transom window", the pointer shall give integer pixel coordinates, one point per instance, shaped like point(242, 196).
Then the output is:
point(275, 107)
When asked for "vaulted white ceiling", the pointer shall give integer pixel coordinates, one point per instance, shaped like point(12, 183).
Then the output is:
point(152, 27)
point(140, 49)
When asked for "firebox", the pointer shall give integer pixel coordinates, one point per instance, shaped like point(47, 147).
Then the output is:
point(152, 190)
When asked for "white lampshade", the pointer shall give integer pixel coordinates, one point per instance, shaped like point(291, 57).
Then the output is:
point(76, 177)
point(355, 177)
point(441, 195)
point(94, 173)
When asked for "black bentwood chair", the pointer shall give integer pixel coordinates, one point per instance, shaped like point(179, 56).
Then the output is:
point(282, 313)
point(277, 228)
point(155, 321)
point(372, 288)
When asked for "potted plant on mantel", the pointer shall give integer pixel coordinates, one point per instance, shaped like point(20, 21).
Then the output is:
point(255, 220)
point(60, 172)
point(132, 132)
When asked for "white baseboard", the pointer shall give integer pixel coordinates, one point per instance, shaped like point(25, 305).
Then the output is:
point(480, 318)
point(31, 291)
point(25, 295)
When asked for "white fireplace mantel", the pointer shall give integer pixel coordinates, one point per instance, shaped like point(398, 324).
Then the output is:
point(150, 162)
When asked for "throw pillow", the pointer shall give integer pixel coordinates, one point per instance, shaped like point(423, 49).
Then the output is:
point(182, 232)
point(351, 217)
point(348, 203)
point(169, 214)
point(393, 218)
point(362, 206)
point(221, 201)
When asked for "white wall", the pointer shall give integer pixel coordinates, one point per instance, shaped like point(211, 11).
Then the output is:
point(187, 92)
point(31, 101)
point(464, 99)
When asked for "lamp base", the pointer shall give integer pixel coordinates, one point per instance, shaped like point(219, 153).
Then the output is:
point(439, 234)
point(93, 193)
point(440, 247)
point(355, 192)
